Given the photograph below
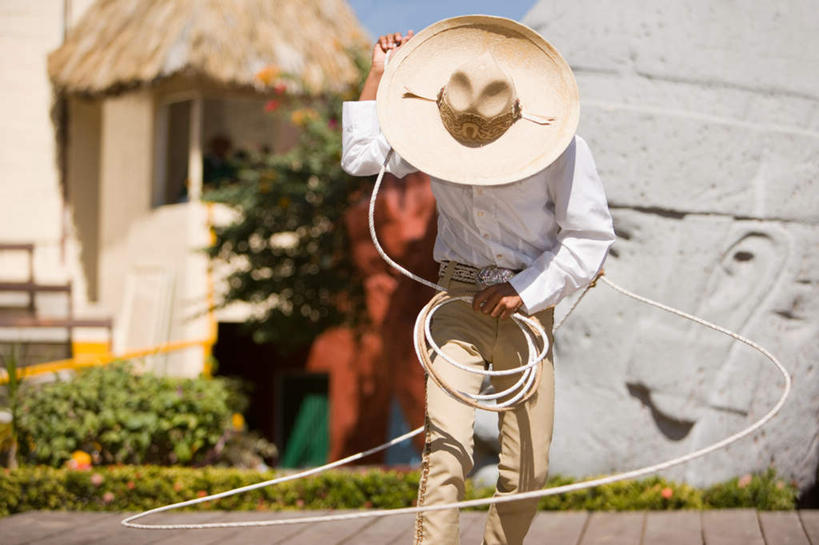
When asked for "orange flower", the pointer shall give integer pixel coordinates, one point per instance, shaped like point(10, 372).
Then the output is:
point(238, 421)
point(108, 497)
point(130, 485)
point(667, 493)
point(300, 117)
point(177, 486)
point(80, 460)
point(268, 74)
point(744, 481)
point(201, 493)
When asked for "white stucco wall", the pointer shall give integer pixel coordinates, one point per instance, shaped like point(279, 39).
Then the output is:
point(106, 230)
point(703, 118)
point(30, 200)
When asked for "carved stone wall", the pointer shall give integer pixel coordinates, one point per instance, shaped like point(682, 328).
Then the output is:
point(703, 118)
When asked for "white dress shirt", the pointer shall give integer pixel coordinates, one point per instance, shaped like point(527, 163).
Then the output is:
point(554, 226)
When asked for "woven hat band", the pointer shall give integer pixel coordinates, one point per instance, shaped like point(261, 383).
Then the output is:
point(473, 128)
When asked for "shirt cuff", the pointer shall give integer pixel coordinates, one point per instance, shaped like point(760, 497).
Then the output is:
point(360, 116)
point(529, 283)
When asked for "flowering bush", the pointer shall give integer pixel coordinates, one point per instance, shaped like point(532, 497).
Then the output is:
point(288, 244)
point(110, 415)
point(136, 488)
point(766, 488)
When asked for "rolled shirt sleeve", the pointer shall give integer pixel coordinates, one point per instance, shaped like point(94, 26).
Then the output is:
point(584, 237)
point(364, 147)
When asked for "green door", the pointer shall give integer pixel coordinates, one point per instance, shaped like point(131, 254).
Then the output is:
point(308, 442)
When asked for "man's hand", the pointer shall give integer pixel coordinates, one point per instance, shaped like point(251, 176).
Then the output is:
point(498, 300)
point(384, 43)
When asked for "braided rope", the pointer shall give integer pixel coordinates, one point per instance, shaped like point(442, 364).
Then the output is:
point(525, 387)
point(501, 499)
point(442, 299)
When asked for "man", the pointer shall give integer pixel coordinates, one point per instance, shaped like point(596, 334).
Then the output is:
point(488, 109)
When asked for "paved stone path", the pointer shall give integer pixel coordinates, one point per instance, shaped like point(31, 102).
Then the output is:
point(724, 527)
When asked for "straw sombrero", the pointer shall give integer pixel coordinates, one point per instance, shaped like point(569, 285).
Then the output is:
point(478, 100)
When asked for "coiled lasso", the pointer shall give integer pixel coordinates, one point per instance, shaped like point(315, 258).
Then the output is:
point(531, 331)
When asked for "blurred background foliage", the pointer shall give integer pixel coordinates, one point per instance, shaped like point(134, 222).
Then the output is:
point(136, 488)
point(287, 248)
point(111, 415)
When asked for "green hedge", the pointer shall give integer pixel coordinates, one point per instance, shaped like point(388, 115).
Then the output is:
point(138, 488)
point(121, 417)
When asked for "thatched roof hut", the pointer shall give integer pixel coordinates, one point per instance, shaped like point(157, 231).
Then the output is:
point(129, 43)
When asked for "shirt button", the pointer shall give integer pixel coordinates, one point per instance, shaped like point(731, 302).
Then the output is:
point(486, 235)
point(480, 212)
point(499, 256)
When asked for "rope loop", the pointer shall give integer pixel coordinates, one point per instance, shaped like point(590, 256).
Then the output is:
point(519, 393)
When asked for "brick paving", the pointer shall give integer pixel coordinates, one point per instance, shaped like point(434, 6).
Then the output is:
point(722, 527)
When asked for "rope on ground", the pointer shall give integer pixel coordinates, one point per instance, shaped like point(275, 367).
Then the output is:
point(640, 472)
point(441, 299)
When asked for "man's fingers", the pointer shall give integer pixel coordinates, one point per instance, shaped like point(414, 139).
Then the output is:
point(507, 306)
point(514, 307)
point(481, 299)
point(499, 300)
point(478, 299)
point(394, 40)
point(499, 308)
point(491, 306)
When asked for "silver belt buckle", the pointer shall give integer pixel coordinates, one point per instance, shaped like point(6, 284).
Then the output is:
point(491, 275)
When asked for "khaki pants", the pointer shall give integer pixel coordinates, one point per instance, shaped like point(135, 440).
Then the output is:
point(473, 338)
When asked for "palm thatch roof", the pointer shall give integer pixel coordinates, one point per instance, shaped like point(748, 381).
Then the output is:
point(126, 43)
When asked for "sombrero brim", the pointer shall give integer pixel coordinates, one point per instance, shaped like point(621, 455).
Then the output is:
point(543, 80)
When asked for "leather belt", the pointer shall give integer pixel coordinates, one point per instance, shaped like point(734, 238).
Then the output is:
point(481, 277)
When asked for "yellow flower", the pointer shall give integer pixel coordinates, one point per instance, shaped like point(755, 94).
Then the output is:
point(268, 74)
point(238, 421)
point(302, 116)
point(79, 460)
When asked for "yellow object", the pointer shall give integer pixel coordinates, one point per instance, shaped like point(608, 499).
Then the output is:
point(238, 421)
point(268, 74)
point(73, 363)
point(302, 116)
point(89, 351)
point(79, 460)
